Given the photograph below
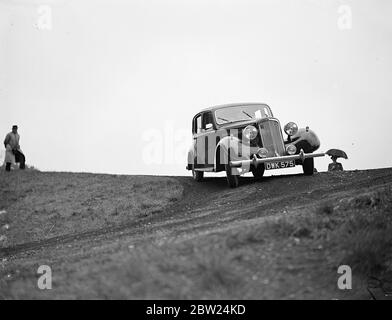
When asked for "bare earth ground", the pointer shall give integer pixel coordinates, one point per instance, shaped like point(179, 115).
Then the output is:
point(144, 237)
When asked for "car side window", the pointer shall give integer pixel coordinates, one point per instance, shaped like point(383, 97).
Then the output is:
point(207, 121)
point(198, 124)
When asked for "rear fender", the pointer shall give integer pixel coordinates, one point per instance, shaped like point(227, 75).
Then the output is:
point(191, 158)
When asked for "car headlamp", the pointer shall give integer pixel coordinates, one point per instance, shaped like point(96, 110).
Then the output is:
point(262, 153)
point(291, 149)
point(291, 128)
point(250, 132)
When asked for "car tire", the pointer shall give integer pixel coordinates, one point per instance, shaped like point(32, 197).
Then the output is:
point(258, 172)
point(197, 175)
point(308, 166)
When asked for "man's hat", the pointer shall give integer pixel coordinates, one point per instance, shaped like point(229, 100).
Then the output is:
point(15, 127)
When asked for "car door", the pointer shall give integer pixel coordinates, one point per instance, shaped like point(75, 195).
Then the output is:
point(204, 144)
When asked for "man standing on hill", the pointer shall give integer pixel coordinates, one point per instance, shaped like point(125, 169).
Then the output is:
point(13, 152)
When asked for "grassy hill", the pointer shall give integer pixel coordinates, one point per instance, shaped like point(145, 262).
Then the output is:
point(109, 236)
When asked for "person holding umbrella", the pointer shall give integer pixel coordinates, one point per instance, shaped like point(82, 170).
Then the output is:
point(335, 154)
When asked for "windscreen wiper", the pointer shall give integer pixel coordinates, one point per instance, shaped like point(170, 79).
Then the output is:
point(223, 119)
point(247, 114)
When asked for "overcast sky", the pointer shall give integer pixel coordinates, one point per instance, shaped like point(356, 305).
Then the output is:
point(91, 83)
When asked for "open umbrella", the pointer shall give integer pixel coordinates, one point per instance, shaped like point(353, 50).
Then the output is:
point(337, 153)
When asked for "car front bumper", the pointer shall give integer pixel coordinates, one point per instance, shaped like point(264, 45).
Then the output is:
point(256, 161)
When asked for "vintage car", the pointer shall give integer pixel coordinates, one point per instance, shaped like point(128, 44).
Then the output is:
point(246, 137)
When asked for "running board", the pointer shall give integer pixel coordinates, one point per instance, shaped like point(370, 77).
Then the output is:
point(205, 169)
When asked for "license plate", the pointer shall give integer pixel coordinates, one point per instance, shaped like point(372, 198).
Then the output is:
point(280, 165)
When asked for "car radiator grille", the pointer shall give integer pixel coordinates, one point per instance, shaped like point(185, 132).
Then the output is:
point(271, 136)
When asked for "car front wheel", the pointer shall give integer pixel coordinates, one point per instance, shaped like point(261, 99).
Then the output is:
point(197, 175)
point(308, 166)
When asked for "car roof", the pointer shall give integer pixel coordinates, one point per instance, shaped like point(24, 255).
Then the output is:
point(213, 108)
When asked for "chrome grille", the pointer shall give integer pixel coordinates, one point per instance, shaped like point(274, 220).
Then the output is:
point(271, 136)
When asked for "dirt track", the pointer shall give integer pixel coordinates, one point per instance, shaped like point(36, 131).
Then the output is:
point(206, 210)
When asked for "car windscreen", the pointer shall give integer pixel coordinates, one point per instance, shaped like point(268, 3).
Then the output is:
point(242, 113)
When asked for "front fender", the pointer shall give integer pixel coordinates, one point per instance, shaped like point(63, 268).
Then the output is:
point(238, 151)
point(306, 139)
